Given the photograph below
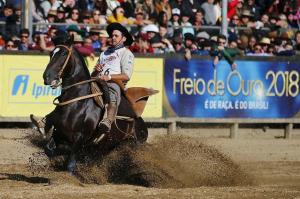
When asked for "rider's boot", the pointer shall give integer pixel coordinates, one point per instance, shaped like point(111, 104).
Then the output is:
point(39, 124)
point(105, 124)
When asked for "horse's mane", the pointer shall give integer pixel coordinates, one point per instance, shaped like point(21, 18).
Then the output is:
point(83, 62)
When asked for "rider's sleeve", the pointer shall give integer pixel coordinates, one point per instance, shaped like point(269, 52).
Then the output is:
point(127, 61)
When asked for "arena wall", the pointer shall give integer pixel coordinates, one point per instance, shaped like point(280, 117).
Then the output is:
point(23, 92)
point(262, 90)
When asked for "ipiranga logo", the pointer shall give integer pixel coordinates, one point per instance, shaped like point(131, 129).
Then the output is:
point(22, 86)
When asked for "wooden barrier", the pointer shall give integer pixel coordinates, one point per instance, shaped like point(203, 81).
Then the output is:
point(232, 122)
point(174, 121)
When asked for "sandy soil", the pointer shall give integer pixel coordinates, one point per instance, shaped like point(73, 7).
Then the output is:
point(272, 162)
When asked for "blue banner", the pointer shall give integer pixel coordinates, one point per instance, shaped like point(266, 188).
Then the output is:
point(257, 89)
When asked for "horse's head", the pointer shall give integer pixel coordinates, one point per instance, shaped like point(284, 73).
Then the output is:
point(59, 59)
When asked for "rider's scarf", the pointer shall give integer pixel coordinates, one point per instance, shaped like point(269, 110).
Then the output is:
point(112, 49)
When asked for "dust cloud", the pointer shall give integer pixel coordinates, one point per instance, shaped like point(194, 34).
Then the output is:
point(168, 162)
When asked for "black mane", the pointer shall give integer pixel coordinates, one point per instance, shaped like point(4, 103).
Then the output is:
point(82, 60)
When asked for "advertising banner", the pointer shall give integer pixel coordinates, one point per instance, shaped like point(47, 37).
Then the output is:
point(257, 89)
point(23, 91)
point(148, 72)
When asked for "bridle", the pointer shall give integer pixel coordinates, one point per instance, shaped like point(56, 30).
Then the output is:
point(70, 50)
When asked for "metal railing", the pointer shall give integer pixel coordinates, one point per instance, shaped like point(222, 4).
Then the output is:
point(203, 27)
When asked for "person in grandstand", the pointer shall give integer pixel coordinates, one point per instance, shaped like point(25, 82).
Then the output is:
point(219, 51)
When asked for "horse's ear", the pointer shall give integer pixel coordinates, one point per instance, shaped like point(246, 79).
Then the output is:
point(70, 40)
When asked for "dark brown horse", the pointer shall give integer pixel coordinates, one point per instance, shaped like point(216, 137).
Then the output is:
point(74, 124)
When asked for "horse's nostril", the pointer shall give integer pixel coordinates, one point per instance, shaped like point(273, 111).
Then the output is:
point(46, 78)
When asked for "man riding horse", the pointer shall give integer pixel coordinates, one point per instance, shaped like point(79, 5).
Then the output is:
point(115, 66)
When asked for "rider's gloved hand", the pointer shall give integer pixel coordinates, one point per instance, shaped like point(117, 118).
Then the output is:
point(99, 67)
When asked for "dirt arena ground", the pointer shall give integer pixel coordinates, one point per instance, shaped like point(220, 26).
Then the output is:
point(272, 164)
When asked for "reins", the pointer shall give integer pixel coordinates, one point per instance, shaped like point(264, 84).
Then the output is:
point(66, 61)
point(76, 84)
point(75, 99)
point(79, 83)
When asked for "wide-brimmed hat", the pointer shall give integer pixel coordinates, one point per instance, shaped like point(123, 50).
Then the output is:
point(61, 9)
point(52, 13)
point(265, 40)
point(95, 30)
point(247, 13)
point(150, 28)
point(202, 35)
point(117, 26)
point(103, 33)
point(77, 38)
point(74, 28)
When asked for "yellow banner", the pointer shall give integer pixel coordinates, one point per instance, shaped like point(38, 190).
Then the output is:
point(23, 91)
point(148, 72)
point(1, 81)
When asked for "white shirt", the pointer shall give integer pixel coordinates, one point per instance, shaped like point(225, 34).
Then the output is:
point(118, 62)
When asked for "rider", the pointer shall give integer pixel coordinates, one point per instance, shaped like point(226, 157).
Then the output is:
point(115, 66)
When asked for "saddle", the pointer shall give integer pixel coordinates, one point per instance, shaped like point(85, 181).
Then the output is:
point(138, 97)
point(134, 97)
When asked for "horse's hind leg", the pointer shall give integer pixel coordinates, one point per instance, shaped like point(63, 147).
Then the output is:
point(140, 130)
point(78, 142)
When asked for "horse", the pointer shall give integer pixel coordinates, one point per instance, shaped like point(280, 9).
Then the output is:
point(76, 116)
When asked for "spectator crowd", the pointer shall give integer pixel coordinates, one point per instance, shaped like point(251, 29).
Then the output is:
point(256, 27)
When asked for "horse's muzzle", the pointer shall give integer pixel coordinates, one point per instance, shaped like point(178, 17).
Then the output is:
point(55, 83)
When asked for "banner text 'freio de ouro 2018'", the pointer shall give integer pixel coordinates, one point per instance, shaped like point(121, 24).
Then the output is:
point(257, 89)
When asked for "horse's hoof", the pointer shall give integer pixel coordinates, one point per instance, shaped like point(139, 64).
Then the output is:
point(71, 166)
point(50, 148)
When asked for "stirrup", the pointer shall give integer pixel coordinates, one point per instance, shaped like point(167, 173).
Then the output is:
point(104, 126)
point(39, 125)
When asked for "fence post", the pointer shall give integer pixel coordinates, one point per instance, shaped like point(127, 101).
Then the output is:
point(171, 128)
point(233, 130)
point(288, 131)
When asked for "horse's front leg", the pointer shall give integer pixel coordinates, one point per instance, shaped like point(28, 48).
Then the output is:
point(78, 143)
point(43, 125)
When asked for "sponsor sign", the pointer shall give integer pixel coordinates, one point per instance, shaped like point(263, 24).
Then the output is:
point(23, 91)
point(148, 72)
point(22, 87)
point(257, 89)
